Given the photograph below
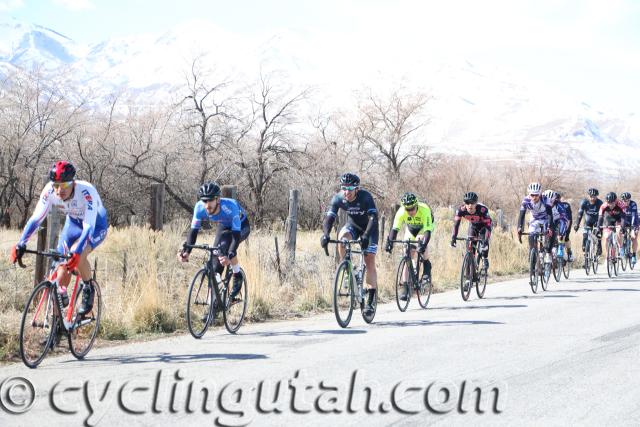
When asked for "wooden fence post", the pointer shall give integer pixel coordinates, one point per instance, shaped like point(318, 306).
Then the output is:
point(229, 191)
point(55, 220)
point(277, 261)
point(157, 206)
point(291, 226)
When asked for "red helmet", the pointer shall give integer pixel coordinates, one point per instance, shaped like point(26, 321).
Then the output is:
point(62, 171)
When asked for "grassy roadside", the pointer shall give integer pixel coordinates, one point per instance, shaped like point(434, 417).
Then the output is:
point(144, 287)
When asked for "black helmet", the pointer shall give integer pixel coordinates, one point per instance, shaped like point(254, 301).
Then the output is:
point(350, 179)
point(62, 171)
point(470, 197)
point(209, 190)
point(593, 192)
point(409, 200)
point(611, 197)
point(625, 196)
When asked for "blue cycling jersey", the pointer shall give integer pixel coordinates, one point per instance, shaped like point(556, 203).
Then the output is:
point(229, 216)
point(631, 214)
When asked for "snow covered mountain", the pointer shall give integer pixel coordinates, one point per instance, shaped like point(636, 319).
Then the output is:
point(475, 110)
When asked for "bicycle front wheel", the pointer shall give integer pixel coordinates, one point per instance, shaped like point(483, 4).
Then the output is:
point(85, 327)
point(424, 289)
point(403, 285)
point(534, 271)
point(611, 259)
point(235, 309)
point(566, 268)
point(595, 261)
point(38, 326)
point(556, 265)
point(200, 312)
point(343, 294)
point(587, 260)
point(466, 276)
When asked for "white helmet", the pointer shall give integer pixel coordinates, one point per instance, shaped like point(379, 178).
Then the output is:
point(548, 194)
point(534, 188)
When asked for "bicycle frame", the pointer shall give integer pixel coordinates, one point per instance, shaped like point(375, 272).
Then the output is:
point(408, 248)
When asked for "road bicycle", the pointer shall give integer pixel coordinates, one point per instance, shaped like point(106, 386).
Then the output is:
point(539, 271)
point(591, 259)
point(210, 293)
point(348, 286)
point(408, 277)
point(473, 271)
point(48, 314)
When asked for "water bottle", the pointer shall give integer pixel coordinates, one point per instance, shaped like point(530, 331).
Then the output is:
point(561, 250)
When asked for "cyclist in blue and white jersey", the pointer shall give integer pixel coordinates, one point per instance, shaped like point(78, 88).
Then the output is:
point(569, 214)
point(632, 220)
point(84, 229)
point(233, 228)
point(541, 217)
point(362, 222)
point(560, 217)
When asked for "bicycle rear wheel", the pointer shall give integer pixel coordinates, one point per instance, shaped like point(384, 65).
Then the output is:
point(343, 296)
point(623, 259)
point(545, 271)
point(403, 286)
point(566, 268)
point(556, 265)
point(85, 327)
point(424, 288)
point(39, 325)
point(466, 276)
point(200, 312)
point(534, 273)
point(235, 310)
point(481, 284)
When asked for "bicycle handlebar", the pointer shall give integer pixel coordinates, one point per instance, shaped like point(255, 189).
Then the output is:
point(215, 250)
point(50, 253)
point(343, 241)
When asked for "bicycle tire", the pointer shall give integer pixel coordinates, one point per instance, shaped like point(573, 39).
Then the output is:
point(234, 313)
point(481, 284)
point(425, 287)
point(466, 276)
point(610, 259)
point(623, 258)
point(405, 262)
point(595, 261)
point(587, 260)
point(566, 268)
point(343, 300)
point(200, 297)
point(34, 346)
point(533, 269)
point(85, 327)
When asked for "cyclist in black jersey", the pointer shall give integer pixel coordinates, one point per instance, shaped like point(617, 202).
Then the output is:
point(590, 208)
point(567, 208)
point(362, 222)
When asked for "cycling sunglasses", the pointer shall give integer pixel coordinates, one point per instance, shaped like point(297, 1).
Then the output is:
point(349, 187)
point(63, 185)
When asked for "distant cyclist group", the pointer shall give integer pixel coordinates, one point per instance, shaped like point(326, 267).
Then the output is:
point(86, 228)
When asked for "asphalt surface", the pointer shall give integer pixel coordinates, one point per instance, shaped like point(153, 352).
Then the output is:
point(565, 356)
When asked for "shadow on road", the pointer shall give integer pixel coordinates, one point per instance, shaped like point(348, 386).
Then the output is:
point(400, 323)
point(598, 290)
point(169, 358)
point(305, 333)
point(541, 296)
point(476, 307)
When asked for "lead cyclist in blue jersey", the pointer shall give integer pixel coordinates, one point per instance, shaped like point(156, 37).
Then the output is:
point(561, 217)
point(233, 228)
point(84, 229)
point(541, 217)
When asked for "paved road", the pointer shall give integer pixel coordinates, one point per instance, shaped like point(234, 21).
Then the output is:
point(566, 356)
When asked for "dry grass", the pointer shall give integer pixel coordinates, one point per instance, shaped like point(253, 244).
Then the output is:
point(144, 287)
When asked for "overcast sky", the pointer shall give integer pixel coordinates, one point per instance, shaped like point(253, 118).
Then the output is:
point(588, 50)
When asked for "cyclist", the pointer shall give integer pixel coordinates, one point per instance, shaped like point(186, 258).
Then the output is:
point(560, 217)
point(613, 213)
point(233, 228)
point(541, 217)
point(85, 227)
point(567, 208)
point(419, 220)
point(590, 208)
point(362, 223)
point(632, 220)
point(479, 223)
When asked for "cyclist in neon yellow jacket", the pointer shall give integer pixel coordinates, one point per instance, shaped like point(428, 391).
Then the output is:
point(419, 220)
